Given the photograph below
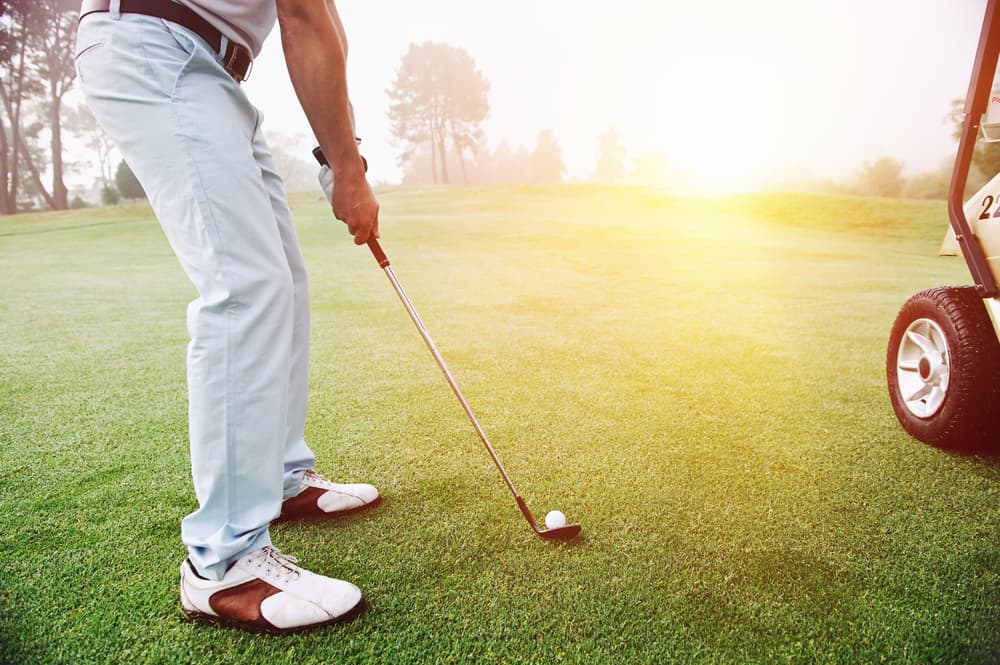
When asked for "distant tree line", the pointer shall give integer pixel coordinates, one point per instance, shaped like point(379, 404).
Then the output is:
point(885, 175)
point(541, 165)
point(882, 177)
point(439, 102)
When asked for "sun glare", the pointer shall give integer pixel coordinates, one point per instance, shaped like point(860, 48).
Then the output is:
point(709, 141)
point(715, 107)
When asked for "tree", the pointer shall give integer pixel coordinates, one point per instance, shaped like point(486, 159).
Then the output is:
point(36, 64)
point(36, 158)
point(883, 177)
point(80, 121)
point(6, 55)
point(18, 20)
point(438, 97)
point(545, 164)
point(110, 196)
point(55, 67)
point(298, 173)
point(505, 164)
point(986, 156)
point(930, 185)
point(127, 184)
point(421, 168)
point(498, 166)
point(610, 157)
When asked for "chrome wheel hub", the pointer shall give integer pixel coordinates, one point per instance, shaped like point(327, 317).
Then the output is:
point(923, 368)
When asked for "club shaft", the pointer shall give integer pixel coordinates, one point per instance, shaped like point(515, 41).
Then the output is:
point(449, 378)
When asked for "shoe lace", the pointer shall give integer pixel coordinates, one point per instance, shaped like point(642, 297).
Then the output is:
point(312, 478)
point(277, 565)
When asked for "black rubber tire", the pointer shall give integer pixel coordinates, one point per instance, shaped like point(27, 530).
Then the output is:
point(967, 420)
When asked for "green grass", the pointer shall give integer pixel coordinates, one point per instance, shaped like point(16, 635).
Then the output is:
point(699, 382)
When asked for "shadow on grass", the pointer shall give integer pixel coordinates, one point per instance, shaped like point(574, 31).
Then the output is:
point(983, 463)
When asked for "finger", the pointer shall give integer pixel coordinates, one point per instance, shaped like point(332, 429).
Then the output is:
point(370, 231)
point(361, 237)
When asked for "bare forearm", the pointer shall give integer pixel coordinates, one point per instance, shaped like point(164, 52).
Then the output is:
point(335, 16)
point(316, 56)
point(331, 9)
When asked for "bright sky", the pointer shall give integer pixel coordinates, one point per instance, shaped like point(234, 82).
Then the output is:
point(734, 91)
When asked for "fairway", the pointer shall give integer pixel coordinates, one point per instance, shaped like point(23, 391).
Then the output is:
point(699, 382)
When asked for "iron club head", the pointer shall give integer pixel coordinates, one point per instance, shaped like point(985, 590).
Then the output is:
point(565, 532)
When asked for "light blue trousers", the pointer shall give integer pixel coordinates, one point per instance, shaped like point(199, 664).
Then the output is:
point(194, 141)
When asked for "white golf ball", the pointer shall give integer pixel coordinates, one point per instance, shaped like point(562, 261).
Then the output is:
point(555, 519)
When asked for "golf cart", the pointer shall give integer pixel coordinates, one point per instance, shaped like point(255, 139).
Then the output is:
point(943, 361)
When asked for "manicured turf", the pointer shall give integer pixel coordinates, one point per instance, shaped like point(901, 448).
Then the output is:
point(699, 382)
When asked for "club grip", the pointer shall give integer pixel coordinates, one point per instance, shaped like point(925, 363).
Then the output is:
point(373, 245)
point(377, 252)
point(321, 158)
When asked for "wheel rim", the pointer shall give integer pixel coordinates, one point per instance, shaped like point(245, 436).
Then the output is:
point(923, 368)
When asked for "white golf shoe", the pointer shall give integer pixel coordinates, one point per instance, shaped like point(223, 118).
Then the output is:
point(266, 592)
point(318, 497)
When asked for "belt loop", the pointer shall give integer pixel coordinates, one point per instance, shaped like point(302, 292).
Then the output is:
point(223, 47)
point(115, 9)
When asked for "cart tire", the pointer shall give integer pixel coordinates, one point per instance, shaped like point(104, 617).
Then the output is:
point(943, 370)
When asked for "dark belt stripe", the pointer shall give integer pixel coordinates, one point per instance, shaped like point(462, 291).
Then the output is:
point(236, 60)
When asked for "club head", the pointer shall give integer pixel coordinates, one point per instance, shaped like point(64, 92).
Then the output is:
point(565, 532)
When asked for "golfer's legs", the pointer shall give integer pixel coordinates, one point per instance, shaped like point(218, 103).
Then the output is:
point(187, 130)
point(298, 456)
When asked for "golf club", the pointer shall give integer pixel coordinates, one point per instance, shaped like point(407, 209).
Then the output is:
point(564, 532)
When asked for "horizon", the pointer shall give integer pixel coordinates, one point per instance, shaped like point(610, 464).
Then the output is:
point(778, 88)
point(735, 98)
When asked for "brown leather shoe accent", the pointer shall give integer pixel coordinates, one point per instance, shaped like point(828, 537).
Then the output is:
point(303, 504)
point(264, 627)
point(242, 603)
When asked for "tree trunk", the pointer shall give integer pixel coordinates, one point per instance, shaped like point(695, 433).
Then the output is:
point(5, 207)
point(15, 119)
point(61, 74)
point(461, 162)
point(434, 162)
point(59, 194)
point(104, 157)
point(442, 154)
point(460, 149)
point(36, 177)
point(23, 148)
point(444, 161)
